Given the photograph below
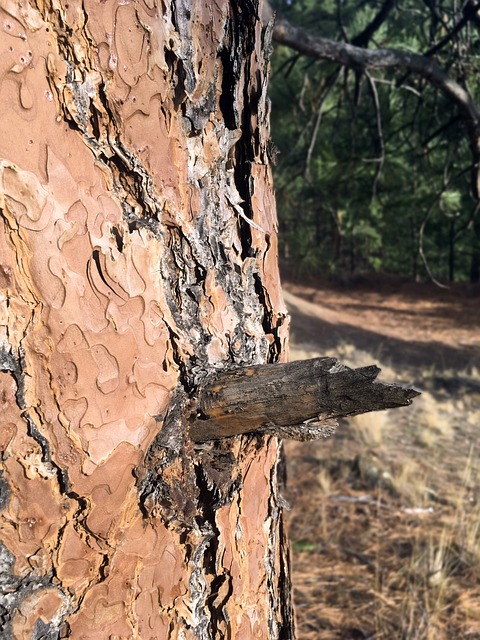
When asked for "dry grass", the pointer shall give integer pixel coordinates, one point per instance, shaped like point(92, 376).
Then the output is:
point(385, 520)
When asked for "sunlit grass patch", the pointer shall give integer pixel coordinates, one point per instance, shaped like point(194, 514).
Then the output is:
point(369, 428)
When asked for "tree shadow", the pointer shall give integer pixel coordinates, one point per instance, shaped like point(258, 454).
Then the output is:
point(416, 356)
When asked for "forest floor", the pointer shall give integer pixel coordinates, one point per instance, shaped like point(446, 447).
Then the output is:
point(385, 516)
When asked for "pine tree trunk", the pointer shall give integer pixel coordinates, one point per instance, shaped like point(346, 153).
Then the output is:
point(138, 255)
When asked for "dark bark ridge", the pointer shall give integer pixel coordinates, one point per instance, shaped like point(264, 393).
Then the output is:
point(299, 400)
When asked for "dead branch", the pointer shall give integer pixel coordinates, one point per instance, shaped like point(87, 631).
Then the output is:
point(294, 400)
point(363, 38)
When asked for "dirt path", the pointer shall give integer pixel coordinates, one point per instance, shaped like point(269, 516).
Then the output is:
point(406, 326)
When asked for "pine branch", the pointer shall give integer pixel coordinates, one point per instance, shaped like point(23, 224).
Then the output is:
point(358, 58)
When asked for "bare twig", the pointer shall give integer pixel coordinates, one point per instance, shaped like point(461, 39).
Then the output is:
point(363, 38)
point(318, 119)
point(469, 13)
point(381, 142)
point(421, 252)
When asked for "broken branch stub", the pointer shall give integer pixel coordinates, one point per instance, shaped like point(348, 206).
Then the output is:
point(293, 400)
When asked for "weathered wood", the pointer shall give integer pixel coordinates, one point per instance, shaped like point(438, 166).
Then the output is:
point(297, 400)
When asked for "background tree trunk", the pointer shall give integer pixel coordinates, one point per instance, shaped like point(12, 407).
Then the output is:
point(138, 254)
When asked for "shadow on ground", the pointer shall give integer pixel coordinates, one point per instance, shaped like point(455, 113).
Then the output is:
point(384, 515)
point(322, 330)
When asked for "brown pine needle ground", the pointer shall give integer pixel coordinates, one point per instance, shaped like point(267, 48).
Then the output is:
point(385, 516)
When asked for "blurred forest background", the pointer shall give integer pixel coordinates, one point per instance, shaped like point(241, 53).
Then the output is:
point(377, 182)
point(374, 170)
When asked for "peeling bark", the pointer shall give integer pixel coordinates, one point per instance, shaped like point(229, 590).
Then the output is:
point(137, 256)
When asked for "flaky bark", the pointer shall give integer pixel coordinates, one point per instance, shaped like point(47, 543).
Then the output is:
point(138, 255)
